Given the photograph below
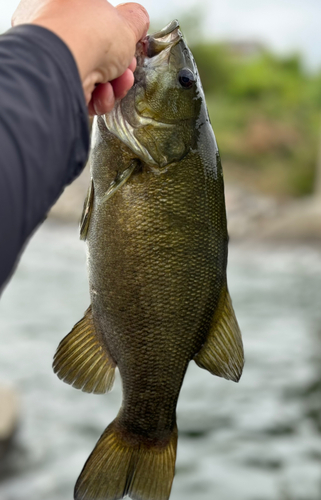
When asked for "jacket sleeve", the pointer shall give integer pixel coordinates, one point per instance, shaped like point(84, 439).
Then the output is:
point(44, 138)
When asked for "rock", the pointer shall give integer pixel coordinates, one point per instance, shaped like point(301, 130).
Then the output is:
point(297, 221)
point(9, 416)
point(253, 216)
point(246, 210)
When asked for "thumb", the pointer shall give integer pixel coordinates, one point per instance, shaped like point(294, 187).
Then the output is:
point(136, 17)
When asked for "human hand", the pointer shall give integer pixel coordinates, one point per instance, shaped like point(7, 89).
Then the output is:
point(102, 39)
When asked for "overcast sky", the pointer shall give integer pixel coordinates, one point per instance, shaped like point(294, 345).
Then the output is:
point(284, 25)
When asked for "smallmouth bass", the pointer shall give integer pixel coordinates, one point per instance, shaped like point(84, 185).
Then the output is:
point(155, 225)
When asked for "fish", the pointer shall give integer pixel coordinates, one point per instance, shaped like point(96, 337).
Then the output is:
point(157, 243)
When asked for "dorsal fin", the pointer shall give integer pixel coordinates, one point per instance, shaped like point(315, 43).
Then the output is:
point(222, 354)
point(82, 359)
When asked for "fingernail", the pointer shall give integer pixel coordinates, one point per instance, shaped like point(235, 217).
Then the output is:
point(97, 106)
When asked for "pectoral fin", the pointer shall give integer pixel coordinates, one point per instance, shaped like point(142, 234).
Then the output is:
point(82, 359)
point(222, 354)
point(119, 181)
point(86, 213)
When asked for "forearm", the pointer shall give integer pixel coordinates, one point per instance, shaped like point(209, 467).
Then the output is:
point(43, 132)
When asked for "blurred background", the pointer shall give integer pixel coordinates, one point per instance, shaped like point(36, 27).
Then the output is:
point(260, 64)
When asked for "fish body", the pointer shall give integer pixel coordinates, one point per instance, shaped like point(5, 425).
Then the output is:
point(155, 225)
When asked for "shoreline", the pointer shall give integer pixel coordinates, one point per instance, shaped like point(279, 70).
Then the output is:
point(251, 216)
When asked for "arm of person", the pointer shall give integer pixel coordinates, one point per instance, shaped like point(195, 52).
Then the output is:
point(48, 76)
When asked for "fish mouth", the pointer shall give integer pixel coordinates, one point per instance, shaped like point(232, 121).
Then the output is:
point(158, 44)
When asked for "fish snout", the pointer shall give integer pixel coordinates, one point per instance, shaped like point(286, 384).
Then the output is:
point(154, 44)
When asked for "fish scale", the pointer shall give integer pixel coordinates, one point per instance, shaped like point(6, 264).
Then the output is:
point(161, 307)
point(155, 225)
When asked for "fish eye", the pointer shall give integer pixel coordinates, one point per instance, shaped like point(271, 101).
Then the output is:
point(186, 78)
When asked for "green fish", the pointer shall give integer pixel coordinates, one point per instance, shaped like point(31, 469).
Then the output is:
point(155, 225)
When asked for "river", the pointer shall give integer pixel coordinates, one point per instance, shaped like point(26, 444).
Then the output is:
point(256, 440)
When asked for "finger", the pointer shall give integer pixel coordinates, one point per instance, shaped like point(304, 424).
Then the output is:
point(133, 65)
point(103, 98)
point(123, 83)
point(137, 18)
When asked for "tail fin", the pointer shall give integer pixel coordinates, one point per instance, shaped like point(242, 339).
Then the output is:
point(122, 464)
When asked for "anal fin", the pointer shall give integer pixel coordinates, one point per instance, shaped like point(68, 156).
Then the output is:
point(222, 353)
point(82, 359)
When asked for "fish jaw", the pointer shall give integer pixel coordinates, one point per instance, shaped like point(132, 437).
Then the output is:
point(156, 43)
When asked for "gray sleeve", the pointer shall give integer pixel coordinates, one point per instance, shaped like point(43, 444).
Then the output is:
point(44, 137)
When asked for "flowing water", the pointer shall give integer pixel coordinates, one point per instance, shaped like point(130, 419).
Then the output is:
point(256, 440)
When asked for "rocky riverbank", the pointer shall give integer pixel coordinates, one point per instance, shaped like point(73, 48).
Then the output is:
point(251, 215)
point(257, 217)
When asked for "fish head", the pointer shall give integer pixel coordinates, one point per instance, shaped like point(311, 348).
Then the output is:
point(166, 78)
point(158, 118)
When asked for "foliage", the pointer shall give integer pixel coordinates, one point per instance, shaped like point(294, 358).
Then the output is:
point(265, 111)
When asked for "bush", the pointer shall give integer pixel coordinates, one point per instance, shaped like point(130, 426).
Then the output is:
point(265, 111)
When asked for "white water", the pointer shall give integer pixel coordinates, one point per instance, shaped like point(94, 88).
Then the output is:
point(256, 440)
